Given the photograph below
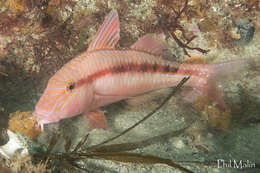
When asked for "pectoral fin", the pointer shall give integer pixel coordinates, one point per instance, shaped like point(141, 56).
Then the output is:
point(96, 119)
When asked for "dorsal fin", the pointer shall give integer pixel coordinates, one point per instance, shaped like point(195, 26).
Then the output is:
point(108, 34)
point(152, 43)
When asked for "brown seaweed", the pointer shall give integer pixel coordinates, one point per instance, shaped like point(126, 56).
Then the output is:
point(171, 24)
point(136, 145)
point(132, 158)
point(110, 152)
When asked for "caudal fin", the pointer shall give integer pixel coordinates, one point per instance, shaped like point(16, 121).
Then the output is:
point(206, 79)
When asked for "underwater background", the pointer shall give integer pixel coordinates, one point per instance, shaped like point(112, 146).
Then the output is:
point(179, 135)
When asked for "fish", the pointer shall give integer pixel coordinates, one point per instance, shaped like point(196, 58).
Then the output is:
point(103, 75)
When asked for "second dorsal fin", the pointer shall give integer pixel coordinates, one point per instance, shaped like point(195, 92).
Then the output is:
point(108, 34)
point(152, 43)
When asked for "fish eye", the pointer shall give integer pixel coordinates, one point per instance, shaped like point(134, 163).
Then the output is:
point(71, 86)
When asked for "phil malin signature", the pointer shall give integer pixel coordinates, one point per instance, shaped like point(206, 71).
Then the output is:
point(238, 164)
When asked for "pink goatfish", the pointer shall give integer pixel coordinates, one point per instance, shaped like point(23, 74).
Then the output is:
point(103, 75)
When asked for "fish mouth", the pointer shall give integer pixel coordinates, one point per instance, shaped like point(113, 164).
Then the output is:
point(44, 118)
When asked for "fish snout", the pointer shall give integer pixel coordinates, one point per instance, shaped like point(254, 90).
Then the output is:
point(43, 118)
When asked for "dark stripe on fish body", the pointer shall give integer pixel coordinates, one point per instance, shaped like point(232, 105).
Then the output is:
point(174, 69)
point(166, 68)
point(155, 67)
point(119, 69)
point(131, 67)
point(144, 67)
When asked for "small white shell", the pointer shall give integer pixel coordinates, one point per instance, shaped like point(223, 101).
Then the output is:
point(14, 146)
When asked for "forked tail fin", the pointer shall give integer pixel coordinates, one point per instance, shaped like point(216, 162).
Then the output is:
point(205, 79)
point(230, 69)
